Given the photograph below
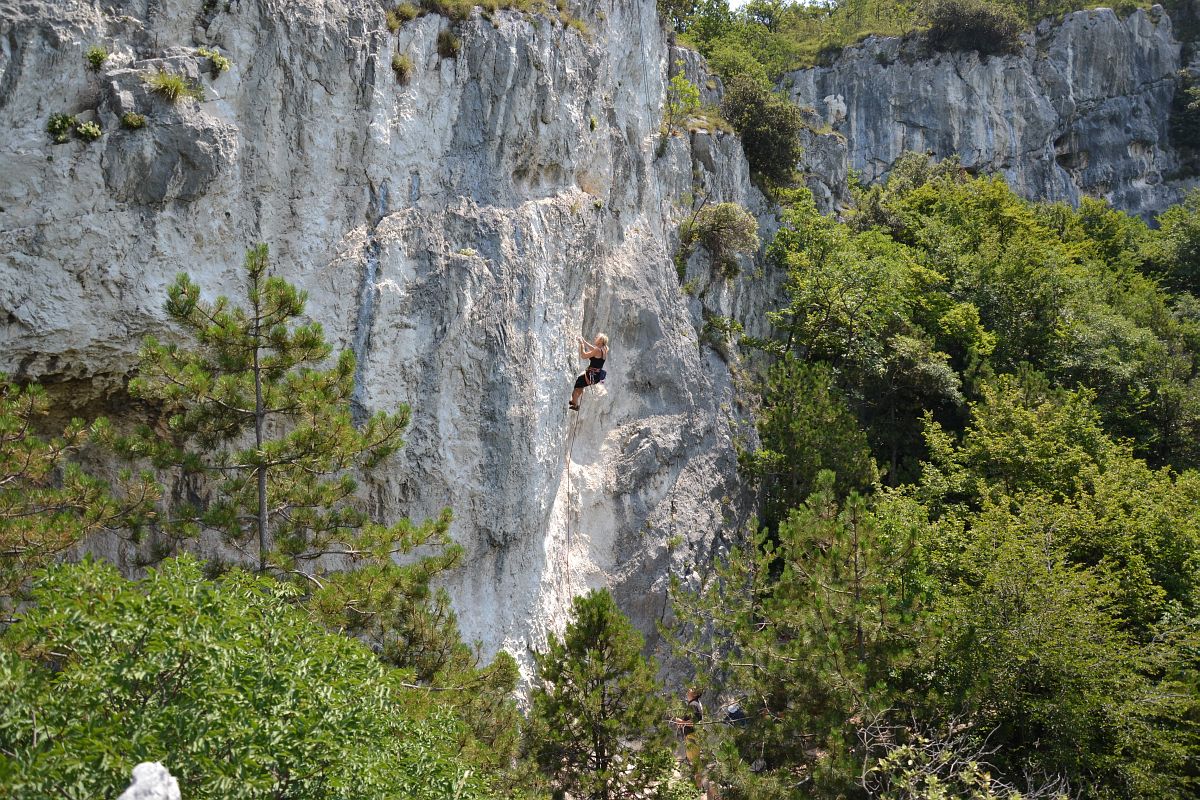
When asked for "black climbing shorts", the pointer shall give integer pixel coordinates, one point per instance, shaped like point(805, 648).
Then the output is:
point(581, 382)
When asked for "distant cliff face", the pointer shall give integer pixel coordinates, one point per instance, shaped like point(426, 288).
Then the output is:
point(458, 231)
point(1083, 110)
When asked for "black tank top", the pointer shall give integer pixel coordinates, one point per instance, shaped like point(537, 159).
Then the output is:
point(597, 363)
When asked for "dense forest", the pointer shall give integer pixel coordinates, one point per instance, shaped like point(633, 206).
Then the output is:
point(974, 572)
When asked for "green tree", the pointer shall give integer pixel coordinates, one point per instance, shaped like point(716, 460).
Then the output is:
point(47, 502)
point(805, 427)
point(260, 429)
point(814, 625)
point(769, 125)
point(1033, 653)
point(1180, 241)
point(683, 100)
point(596, 695)
point(420, 634)
point(238, 692)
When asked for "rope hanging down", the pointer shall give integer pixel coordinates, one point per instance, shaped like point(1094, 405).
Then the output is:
point(570, 447)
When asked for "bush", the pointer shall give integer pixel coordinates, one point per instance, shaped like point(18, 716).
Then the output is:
point(241, 694)
point(88, 131)
point(173, 87)
point(96, 56)
point(60, 126)
point(769, 125)
point(402, 65)
point(393, 21)
point(448, 45)
point(407, 12)
point(725, 230)
point(973, 25)
point(219, 62)
point(132, 121)
point(683, 100)
point(454, 10)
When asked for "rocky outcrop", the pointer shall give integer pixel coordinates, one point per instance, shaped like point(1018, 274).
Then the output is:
point(151, 781)
point(458, 230)
point(1083, 109)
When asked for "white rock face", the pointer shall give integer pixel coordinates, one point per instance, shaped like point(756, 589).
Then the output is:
point(151, 781)
point(1084, 109)
point(458, 232)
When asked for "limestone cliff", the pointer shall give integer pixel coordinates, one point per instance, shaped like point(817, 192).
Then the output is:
point(1083, 109)
point(457, 230)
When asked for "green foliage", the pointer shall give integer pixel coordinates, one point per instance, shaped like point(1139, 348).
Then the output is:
point(96, 55)
point(172, 86)
point(595, 694)
point(764, 39)
point(88, 131)
point(251, 412)
point(726, 230)
point(60, 126)
point(1179, 240)
point(402, 65)
point(861, 302)
point(812, 626)
point(228, 684)
point(805, 427)
point(47, 502)
point(448, 44)
point(769, 125)
point(914, 765)
point(683, 100)
point(733, 58)
point(133, 121)
point(1020, 615)
point(944, 278)
point(407, 12)
point(1030, 447)
point(1032, 647)
point(219, 62)
point(989, 27)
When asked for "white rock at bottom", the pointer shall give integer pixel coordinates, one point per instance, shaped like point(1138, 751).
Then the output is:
point(151, 781)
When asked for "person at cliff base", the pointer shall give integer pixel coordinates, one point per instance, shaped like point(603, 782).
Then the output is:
point(596, 352)
point(685, 728)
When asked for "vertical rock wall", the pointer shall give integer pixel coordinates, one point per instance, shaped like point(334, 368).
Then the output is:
point(1083, 109)
point(458, 231)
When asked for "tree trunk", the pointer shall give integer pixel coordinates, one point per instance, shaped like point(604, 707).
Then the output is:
point(260, 415)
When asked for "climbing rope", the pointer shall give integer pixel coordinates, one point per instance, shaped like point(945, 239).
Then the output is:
point(570, 447)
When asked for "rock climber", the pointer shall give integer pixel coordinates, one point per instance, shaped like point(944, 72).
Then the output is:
point(685, 728)
point(597, 352)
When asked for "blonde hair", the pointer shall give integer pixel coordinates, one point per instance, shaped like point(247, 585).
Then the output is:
point(602, 339)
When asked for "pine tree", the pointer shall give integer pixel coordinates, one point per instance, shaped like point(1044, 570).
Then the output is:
point(47, 502)
point(811, 624)
point(256, 426)
point(597, 697)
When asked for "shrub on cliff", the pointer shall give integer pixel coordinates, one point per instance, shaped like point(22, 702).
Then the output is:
point(725, 230)
point(990, 28)
point(769, 125)
point(238, 692)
